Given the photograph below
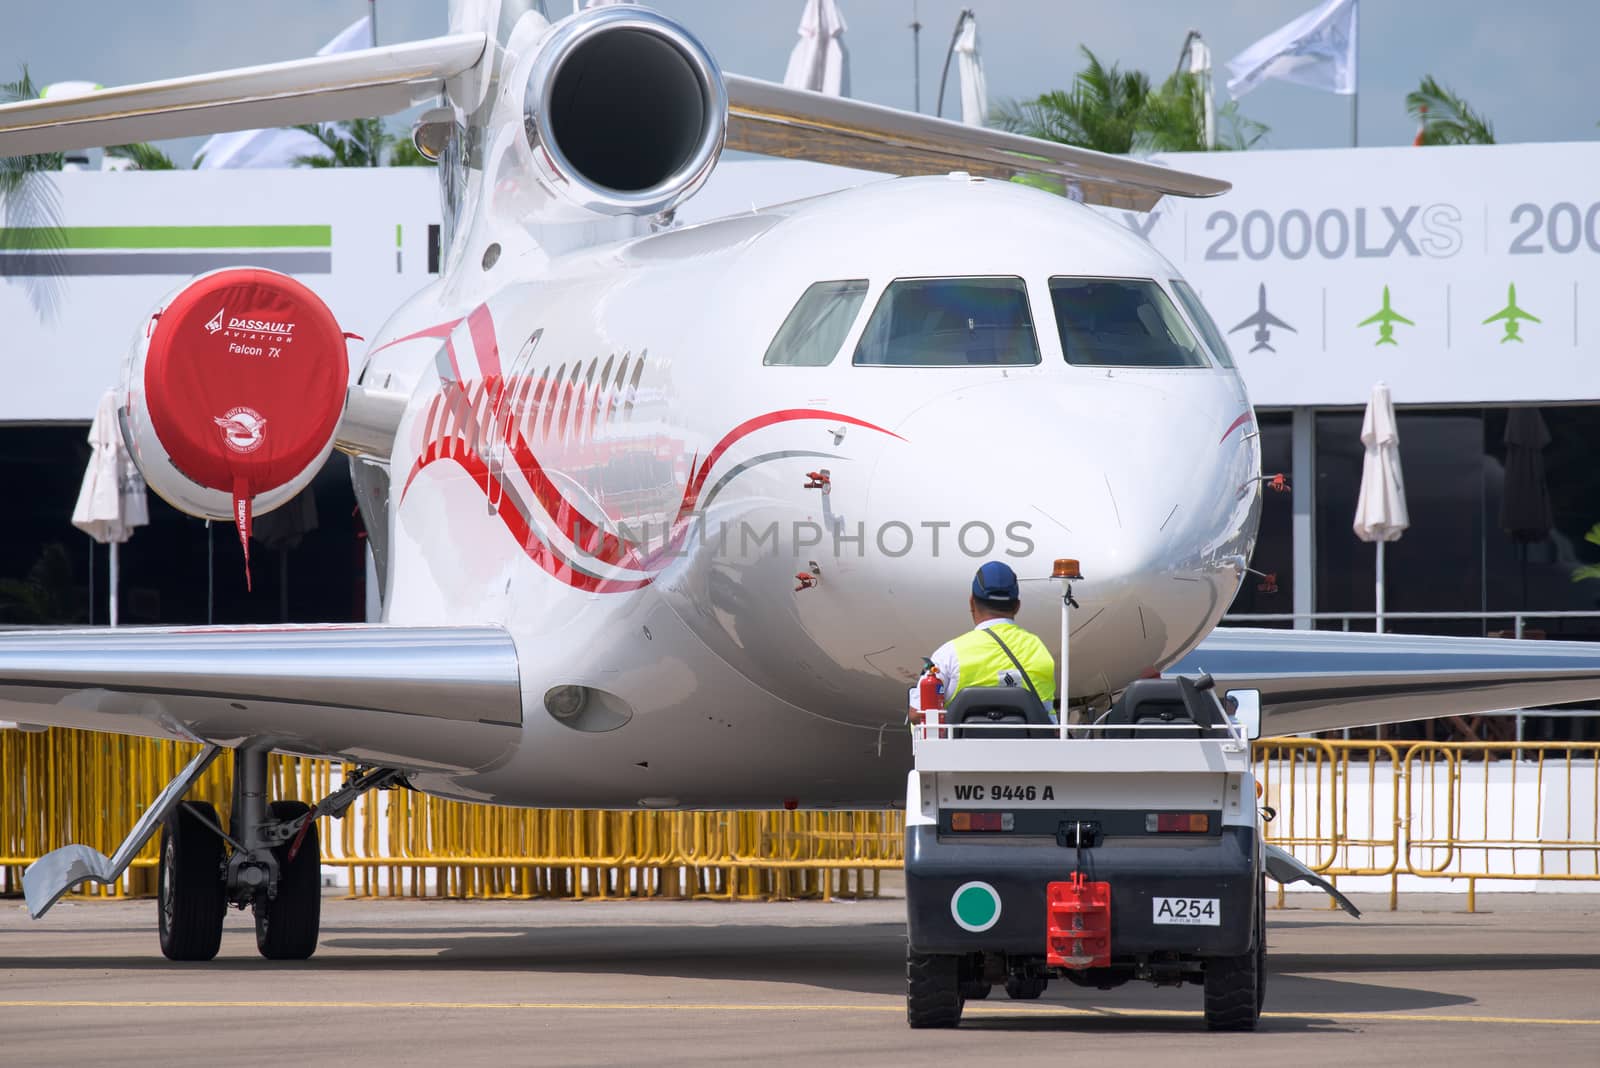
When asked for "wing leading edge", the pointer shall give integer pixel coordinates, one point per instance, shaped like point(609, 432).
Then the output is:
point(778, 121)
point(444, 698)
point(349, 85)
point(1325, 680)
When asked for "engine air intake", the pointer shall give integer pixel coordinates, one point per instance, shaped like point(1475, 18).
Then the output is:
point(625, 111)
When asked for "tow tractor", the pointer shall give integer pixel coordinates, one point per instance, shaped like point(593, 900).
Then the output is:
point(1129, 847)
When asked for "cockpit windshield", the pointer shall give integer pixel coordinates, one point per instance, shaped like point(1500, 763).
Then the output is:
point(1121, 322)
point(816, 327)
point(950, 322)
point(1202, 319)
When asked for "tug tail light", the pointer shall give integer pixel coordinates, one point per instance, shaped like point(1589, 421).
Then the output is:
point(982, 821)
point(1177, 823)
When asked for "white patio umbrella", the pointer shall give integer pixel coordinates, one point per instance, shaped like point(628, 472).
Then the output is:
point(111, 501)
point(819, 61)
point(1381, 502)
point(974, 89)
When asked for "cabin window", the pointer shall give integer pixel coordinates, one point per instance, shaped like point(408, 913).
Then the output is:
point(950, 322)
point(1121, 322)
point(1202, 319)
point(816, 328)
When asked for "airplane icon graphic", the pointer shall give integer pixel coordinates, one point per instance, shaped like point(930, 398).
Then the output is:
point(1511, 315)
point(1385, 317)
point(1262, 320)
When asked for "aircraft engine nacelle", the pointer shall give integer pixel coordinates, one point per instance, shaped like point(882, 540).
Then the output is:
point(625, 111)
point(232, 393)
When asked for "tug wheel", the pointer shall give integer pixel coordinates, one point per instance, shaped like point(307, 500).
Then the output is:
point(933, 990)
point(1021, 988)
point(1235, 986)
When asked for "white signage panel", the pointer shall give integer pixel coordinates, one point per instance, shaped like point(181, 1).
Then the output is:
point(1457, 275)
point(358, 237)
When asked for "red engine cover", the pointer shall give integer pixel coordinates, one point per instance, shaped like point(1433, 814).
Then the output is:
point(245, 380)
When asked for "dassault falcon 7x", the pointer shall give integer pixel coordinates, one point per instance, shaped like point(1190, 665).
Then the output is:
point(669, 515)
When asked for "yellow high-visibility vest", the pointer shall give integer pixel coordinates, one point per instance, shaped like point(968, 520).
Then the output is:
point(981, 661)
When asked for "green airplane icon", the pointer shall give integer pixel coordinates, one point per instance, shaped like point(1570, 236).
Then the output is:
point(1511, 315)
point(1385, 317)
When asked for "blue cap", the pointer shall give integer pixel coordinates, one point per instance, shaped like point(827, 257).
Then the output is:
point(995, 583)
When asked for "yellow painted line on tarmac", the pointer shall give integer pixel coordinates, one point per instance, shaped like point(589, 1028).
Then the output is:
point(713, 1007)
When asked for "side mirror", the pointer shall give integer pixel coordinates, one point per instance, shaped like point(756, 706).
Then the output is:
point(1245, 711)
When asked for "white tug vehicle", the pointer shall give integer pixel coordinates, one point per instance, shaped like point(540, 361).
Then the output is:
point(1126, 848)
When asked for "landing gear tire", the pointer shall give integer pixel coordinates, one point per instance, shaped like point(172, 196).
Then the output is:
point(933, 990)
point(287, 924)
point(1019, 988)
point(1235, 987)
point(191, 896)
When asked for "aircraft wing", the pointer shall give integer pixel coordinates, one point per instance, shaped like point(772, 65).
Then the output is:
point(774, 120)
point(1314, 680)
point(445, 698)
point(349, 85)
point(763, 117)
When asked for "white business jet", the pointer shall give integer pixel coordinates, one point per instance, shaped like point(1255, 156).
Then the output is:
point(669, 516)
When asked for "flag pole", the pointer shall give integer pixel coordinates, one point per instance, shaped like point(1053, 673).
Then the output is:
point(372, 14)
point(916, 59)
point(1355, 75)
point(1378, 597)
point(113, 583)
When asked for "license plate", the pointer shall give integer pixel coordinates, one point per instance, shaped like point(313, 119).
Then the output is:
point(1188, 911)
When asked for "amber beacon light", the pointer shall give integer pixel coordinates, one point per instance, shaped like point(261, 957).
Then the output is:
point(1066, 569)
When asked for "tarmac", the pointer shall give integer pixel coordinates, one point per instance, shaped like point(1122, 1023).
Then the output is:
point(402, 982)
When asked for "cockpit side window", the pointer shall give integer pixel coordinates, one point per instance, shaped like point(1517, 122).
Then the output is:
point(816, 328)
point(1121, 322)
point(950, 322)
point(1202, 319)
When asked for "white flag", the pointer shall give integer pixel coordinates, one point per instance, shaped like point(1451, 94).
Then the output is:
point(1317, 49)
point(279, 148)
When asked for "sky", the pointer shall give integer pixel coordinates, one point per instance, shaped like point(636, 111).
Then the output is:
point(1527, 66)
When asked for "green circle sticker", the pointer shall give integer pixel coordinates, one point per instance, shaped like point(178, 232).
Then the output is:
point(975, 906)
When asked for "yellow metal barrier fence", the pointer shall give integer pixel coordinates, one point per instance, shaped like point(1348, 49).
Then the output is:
point(65, 786)
point(1392, 811)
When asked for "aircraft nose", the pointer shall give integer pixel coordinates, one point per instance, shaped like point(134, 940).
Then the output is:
point(1130, 479)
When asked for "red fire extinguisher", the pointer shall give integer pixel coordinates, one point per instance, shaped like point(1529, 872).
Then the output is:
point(930, 691)
point(930, 695)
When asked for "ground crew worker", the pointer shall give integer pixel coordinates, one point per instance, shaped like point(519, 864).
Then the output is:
point(996, 652)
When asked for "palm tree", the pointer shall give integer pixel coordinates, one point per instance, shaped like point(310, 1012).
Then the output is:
point(1446, 118)
point(145, 156)
point(360, 143)
point(1111, 110)
point(32, 212)
point(1101, 112)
